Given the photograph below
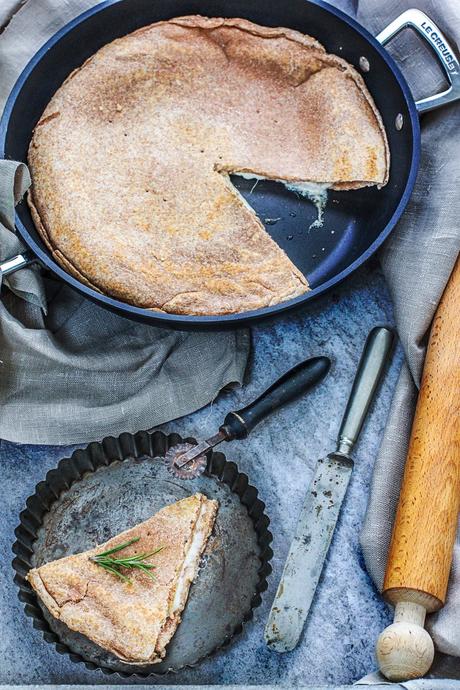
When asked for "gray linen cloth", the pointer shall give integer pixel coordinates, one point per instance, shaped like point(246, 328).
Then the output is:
point(71, 371)
point(417, 262)
point(379, 683)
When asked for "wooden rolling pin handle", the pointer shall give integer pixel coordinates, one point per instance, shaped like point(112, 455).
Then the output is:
point(424, 530)
point(405, 650)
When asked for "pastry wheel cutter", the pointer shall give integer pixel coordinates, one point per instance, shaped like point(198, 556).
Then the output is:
point(187, 461)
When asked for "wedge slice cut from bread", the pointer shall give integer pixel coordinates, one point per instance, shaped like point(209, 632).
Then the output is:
point(134, 620)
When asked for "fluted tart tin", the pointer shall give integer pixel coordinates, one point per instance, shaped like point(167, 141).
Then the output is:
point(110, 486)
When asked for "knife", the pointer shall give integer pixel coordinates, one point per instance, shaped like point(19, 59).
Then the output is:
point(323, 502)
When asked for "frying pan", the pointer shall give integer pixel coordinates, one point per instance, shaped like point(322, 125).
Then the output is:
point(356, 222)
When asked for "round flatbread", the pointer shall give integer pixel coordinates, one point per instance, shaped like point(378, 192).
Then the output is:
point(131, 159)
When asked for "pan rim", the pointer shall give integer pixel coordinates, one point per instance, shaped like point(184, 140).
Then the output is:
point(159, 318)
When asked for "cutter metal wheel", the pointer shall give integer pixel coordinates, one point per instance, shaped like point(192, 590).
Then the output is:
point(186, 461)
point(191, 469)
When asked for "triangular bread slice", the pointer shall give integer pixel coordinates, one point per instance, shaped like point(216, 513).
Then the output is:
point(136, 620)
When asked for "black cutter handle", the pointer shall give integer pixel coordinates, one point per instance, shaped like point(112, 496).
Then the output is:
point(291, 385)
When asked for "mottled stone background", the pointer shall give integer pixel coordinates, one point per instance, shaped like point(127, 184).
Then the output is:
point(348, 614)
point(279, 458)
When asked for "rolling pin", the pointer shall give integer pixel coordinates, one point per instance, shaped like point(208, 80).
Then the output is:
point(424, 530)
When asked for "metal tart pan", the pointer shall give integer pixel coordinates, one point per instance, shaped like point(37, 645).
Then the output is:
point(110, 486)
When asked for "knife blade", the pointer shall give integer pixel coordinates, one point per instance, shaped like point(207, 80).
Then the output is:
point(308, 550)
point(322, 504)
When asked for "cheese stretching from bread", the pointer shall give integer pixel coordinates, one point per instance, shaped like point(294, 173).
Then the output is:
point(134, 620)
point(131, 160)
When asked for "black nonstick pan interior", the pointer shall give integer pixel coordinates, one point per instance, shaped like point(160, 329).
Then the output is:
point(355, 223)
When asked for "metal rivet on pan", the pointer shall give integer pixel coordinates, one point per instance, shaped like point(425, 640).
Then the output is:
point(364, 64)
point(399, 121)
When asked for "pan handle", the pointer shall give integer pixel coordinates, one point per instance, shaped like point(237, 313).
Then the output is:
point(436, 40)
point(16, 263)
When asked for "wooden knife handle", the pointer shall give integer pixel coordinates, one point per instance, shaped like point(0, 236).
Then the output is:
point(425, 525)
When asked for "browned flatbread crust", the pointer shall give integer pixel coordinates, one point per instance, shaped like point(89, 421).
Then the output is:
point(131, 159)
point(133, 621)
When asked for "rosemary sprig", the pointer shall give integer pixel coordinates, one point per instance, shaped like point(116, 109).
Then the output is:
point(114, 565)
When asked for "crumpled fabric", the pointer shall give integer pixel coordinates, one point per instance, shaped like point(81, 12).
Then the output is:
point(14, 182)
point(417, 261)
point(379, 682)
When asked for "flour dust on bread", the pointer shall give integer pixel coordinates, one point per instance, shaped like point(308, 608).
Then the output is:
point(133, 620)
point(131, 160)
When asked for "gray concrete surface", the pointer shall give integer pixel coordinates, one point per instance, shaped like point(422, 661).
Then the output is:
point(347, 615)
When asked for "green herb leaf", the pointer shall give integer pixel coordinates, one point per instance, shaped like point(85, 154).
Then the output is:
point(120, 547)
point(113, 565)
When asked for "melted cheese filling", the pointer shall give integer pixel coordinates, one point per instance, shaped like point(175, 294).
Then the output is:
point(188, 569)
point(313, 191)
